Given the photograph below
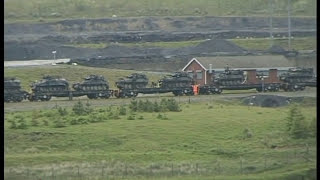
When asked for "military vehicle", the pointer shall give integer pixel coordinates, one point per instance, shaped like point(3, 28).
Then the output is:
point(12, 90)
point(230, 77)
point(178, 79)
point(95, 86)
point(133, 81)
point(47, 87)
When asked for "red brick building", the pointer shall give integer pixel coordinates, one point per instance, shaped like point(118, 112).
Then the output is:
point(202, 69)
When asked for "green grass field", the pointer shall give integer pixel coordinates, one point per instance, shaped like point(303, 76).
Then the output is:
point(203, 141)
point(48, 10)
point(72, 74)
point(300, 43)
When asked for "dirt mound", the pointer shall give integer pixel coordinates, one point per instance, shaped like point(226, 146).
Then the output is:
point(276, 49)
point(266, 100)
point(218, 45)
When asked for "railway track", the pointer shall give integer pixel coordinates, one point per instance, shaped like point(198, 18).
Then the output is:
point(64, 102)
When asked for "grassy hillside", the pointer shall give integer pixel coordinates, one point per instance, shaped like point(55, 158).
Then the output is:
point(304, 43)
point(61, 9)
point(299, 43)
point(183, 145)
point(73, 74)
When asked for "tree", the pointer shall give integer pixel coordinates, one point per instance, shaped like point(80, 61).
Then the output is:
point(296, 125)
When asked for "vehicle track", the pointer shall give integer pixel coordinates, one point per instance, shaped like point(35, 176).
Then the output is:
point(64, 102)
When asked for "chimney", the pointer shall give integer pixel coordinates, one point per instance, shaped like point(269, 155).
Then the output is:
point(210, 68)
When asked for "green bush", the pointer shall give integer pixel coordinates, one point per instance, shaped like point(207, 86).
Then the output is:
point(34, 122)
point(122, 111)
point(13, 124)
point(22, 123)
point(45, 122)
point(172, 105)
point(35, 114)
point(296, 125)
point(80, 109)
point(313, 127)
point(59, 123)
point(140, 117)
point(133, 106)
point(130, 118)
point(62, 111)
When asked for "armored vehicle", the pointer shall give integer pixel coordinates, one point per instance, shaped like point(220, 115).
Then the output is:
point(230, 77)
point(297, 75)
point(94, 85)
point(133, 81)
point(12, 90)
point(47, 87)
point(178, 79)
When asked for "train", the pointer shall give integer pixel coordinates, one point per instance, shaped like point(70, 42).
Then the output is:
point(179, 84)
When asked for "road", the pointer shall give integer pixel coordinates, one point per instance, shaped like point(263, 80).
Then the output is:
point(33, 62)
point(64, 102)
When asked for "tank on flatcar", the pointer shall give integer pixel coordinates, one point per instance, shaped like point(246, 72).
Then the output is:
point(133, 81)
point(48, 86)
point(12, 90)
point(297, 75)
point(94, 85)
point(230, 77)
point(178, 79)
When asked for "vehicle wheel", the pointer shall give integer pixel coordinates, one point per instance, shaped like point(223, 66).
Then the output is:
point(92, 96)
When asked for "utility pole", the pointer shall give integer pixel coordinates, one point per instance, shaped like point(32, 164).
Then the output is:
point(289, 26)
point(271, 28)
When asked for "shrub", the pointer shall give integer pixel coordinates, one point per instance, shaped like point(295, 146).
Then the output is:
point(13, 124)
point(62, 111)
point(163, 105)
point(45, 122)
point(141, 117)
point(247, 133)
point(59, 123)
point(34, 122)
point(78, 108)
point(133, 106)
point(296, 123)
point(156, 107)
point(159, 116)
point(88, 109)
point(313, 127)
point(35, 114)
point(172, 105)
point(130, 118)
point(22, 123)
point(122, 111)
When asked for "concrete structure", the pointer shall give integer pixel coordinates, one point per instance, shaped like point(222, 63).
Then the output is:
point(202, 69)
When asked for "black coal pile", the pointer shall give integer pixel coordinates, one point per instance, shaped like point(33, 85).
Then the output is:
point(266, 101)
point(217, 45)
point(275, 49)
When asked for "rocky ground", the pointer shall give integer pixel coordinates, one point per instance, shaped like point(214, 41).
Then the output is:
point(38, 40)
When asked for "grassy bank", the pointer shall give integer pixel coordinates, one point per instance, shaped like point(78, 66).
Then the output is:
point(299, 43)
point(202, 141)
point(34, 10)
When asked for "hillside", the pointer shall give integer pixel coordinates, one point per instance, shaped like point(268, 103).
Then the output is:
point(60, 9)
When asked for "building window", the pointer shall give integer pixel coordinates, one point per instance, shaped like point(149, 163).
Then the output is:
point(190, 74)
point(199, 74)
